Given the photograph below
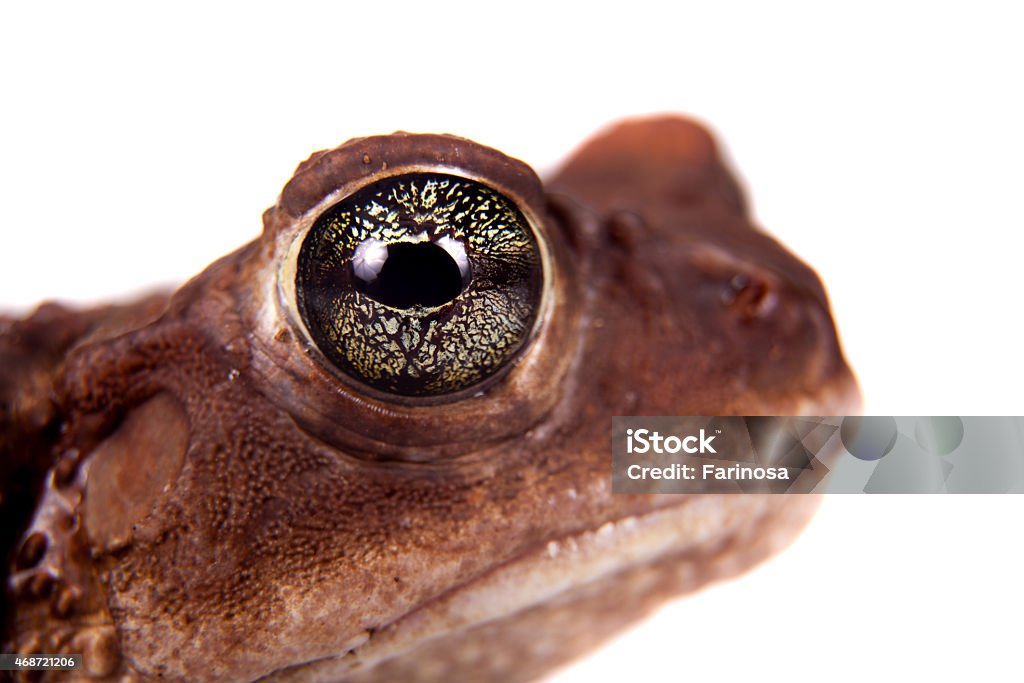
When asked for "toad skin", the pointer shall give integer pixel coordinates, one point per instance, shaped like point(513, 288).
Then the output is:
point(193, 491)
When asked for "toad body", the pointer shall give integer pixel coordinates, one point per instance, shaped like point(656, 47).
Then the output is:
point(373, 444)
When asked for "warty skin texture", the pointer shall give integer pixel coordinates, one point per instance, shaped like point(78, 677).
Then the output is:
point(219, 504)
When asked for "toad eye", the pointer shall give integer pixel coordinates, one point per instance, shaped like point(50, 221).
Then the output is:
point(420, 284)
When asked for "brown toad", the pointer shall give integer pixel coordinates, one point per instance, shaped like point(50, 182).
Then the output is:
point(373, 444)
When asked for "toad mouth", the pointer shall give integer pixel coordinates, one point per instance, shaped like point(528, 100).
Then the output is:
point(625, 565)
point(635, 559)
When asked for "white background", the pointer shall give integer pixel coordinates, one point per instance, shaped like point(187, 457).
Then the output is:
point(882, 142)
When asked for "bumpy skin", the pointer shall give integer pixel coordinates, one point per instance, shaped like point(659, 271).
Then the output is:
point(214, 503)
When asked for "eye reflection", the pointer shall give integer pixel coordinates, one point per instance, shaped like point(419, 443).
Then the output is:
point(420, 284)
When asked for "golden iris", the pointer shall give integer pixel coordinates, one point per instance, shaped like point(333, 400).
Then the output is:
point(420, 284)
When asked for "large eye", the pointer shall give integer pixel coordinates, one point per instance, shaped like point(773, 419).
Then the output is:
point(420, 284)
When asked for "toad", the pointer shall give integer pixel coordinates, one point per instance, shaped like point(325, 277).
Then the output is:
point(373, 444)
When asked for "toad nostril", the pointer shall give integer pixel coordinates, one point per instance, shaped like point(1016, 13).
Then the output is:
point(749, 297)
point(627, 229)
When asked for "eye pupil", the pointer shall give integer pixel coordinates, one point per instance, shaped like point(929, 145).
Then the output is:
point(412, 274)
